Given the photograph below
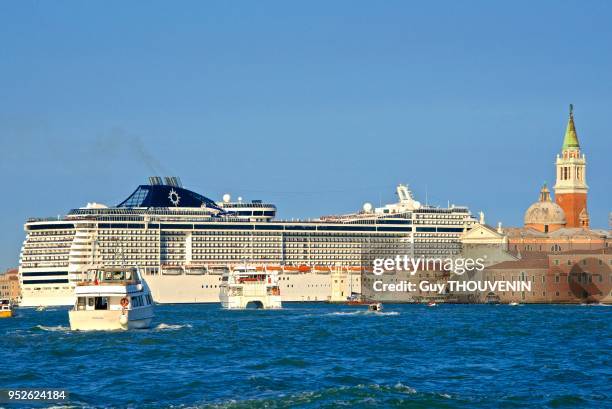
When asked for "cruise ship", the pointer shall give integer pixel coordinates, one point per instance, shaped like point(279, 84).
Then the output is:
point(183, 242)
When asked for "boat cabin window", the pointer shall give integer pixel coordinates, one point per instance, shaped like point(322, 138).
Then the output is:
point(116, 275)
point(81, 303)
point(101, 303)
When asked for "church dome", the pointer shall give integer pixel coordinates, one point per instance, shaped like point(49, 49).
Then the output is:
point(545, 212)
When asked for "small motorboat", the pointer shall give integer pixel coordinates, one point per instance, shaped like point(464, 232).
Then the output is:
point(6, 308)
point(376, 307)
point(432, 304)
point(40, 308)
point(514, 303)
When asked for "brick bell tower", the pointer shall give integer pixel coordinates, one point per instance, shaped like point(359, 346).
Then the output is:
point(571, 188)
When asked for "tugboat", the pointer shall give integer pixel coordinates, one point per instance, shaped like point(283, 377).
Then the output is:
point(6, 308)
point(246, 286)
point(112, 298)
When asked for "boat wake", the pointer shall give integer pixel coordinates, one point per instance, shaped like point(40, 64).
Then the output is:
point(171, 327)
point(365, 312)
point(54, 329)
point(373, 395)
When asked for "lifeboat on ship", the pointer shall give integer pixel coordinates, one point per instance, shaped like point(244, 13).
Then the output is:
point(322, 269)
point(291, 269)
point(304, 268)
point(217, 269)
point(171, 270)
point(195, 269)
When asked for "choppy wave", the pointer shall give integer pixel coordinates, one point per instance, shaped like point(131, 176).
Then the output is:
point(370, 395)
point(314, 356)
point(171, 327)
point(53, 328)
point(364, 312)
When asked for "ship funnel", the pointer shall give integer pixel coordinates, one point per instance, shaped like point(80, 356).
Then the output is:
point(155, 180)
point(173, 181)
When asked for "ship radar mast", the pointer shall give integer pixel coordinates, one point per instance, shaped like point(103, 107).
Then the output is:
point(406, 199)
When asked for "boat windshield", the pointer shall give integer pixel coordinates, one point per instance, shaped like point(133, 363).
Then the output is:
point(113, 275)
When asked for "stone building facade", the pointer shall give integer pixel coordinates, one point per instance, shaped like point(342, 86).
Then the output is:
point(9, 285)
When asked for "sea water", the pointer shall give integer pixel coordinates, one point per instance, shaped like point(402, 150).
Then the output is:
point(321, 355)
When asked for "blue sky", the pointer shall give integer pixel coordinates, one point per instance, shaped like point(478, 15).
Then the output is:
point(317, 106)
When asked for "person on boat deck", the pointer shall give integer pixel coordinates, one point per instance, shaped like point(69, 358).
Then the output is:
point(109, 275)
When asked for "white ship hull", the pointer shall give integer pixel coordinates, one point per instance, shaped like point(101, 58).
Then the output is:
point(48, 298)
point(110, 320)
point(271, 302)
point(303, 287)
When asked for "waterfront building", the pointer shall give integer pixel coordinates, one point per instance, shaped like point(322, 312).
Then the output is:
point(554, 243)
point(487, 243)
point(571, 188)
point(576, 276)
point(9, 285)
point(562, 225)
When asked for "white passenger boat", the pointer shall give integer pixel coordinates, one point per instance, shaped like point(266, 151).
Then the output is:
point(247, 286)
point(112, 298)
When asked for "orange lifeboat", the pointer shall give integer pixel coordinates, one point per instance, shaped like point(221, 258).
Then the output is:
point(291, 269)
point(304, 268)
point(322, 269)
point(274, 268)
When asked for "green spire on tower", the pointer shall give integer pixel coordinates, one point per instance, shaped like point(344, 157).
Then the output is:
point(571, 137)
